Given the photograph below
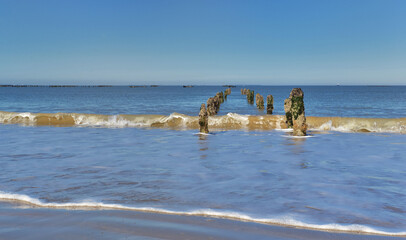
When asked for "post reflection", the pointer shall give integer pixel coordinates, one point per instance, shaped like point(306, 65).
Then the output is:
point(203, 145)
point(295, 145)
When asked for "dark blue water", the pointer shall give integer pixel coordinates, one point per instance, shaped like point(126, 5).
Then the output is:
point(345, 101)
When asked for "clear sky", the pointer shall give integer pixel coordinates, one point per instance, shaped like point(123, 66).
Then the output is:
point(203, 42)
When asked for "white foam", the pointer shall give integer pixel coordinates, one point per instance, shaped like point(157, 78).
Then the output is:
point(239, 117)
point(325, 126)
point(185, 119)
point(114, 121)
point(284, 220)
point(176, 115)
point(364, 124)
point(230, 118)
point(328, 126)
point(278, 123)
point(285, 130)
point(291, 136)
point(27, 117)
point(200, 133)
point(229, 121)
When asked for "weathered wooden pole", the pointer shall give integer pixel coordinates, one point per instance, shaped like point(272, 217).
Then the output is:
point(250, 96)
point(295, 112)
point(210, 107)
point(269, 104)
point(259, 100)
point(203, 119)
point(227, 92)
point(220, 95)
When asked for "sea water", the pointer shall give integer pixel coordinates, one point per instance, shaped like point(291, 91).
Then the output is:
point(340, 101)
point(336, 178)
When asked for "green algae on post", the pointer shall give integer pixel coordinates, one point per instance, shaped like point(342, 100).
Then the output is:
point(295, 112)
point(269, 104)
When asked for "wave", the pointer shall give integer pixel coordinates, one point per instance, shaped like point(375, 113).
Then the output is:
point(283, 221)
point(225, 122)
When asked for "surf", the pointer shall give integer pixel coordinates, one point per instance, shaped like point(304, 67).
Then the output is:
point(282, 221)
point(178, 121)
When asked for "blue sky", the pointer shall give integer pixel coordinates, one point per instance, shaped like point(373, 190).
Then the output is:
point(202, 42)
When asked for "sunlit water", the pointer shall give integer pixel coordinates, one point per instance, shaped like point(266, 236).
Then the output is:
point(376, 102)
point(348, 179)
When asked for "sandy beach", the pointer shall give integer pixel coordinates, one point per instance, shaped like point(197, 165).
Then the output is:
point(17, 222)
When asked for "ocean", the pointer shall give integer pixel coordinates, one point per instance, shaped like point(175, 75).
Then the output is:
point(138, 149)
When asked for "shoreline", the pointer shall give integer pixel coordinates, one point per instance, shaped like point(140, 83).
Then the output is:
point(100, 210)
point(42, 223)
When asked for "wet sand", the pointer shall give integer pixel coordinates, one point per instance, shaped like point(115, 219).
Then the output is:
point(41, 223)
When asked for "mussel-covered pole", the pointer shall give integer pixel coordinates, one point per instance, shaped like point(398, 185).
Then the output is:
point(259, 100)
point(250, 96)
point(269, 104)
point(217, 103)
point(213, 104)
point(203, 119)
point(211, 107)
point(295, 112)
point(220, 95)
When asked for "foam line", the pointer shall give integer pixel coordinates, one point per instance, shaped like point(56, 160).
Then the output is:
point(231, 121)
point(290, 136)
point(283, 221)
point(199, 133)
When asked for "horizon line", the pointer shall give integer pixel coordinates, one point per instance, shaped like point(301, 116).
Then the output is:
point(190, 85)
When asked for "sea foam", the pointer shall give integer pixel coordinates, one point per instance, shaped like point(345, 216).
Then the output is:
point(231, 121)
point(283, 221)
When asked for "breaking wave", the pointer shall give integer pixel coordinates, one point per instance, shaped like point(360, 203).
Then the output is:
point(225, 122)
point(283, 221)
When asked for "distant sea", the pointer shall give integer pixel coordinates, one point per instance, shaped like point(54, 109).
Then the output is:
point(139, 149)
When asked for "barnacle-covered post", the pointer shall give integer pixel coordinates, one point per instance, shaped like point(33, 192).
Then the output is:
point(220, 96)
point(203, 119)
point(250, 96)
point(259, 100)
point(211, 109)
point(295, 112)
point(269, 104)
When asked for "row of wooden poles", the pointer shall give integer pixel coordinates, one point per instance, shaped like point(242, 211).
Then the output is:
point(213, 103)
point(259, 100)
point(213, 106)
point(293, 106)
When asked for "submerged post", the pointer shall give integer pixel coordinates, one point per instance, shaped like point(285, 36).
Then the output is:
point(203, 119)
point(295, 112)
point(269, 104)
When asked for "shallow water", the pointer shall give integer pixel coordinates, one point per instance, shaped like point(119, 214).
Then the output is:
point(331, 180)
point(338, 178)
